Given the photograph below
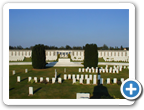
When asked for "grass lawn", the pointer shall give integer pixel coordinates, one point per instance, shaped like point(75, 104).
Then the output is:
point(65, 90)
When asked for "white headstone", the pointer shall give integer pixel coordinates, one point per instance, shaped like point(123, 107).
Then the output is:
point(101, 81)
point(117, 71)
point(88, 81)
point(124, 67)
point(122, 80)
point(90, 77)
point(18, 78)
point(73, 76)
point(59, 80)
point(86, 70)
point(82, 76)
point(103, 70)
point(108, 80)
point(65, 77)
point(47, 79)
point(120, 69)
point(94, 79)
point(82, 69)
point(53, 80)
point(30, 90)
point(99, 76)
point(81, 81)
point(26, 70)
point(100, 70)
point(89, 70)
point(93, 70)
point(96, 70)
point(113, 70)
point(69, 76)
point(79, 69)
point(106, 70)
point(115, 80)
point(35, 79)
point(29, 78)
point(82, 95)
point(41, 79)
point(110, 70)
point(77, 76)
point(13, 72)
point(86, 76)
point(74, 80)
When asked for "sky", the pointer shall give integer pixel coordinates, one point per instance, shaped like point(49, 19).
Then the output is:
point(73, 27)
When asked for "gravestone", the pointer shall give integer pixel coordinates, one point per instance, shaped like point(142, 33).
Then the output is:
point(86, 70)
point(26, 70)
point(59, 80)
point(82, 95)
point(110, 70)
point(35, 79)
point(47, 79)
point(53, 80)
point(115, 80)
point(106, 70)
point(94, 79)
point(101, 81)
point(18, 78)
point(93, 70)
point(81, 81)
point(13, 72)
point(96, 70)
point(122, 80)
point(90, 77)
point(100, 70)
point(82, 69)
point(79, 69)
point(88, 81)
point(89, 70)
point(77, 76)
point(103, 70)
point(74, 80)
point(65, 76)
point(82, 76)
point(41, 79)
point(117, 71)
point(120, 69)
point(73, 76)
point(99, 77)
point(30, 91)
point(55, 74)
point(69, 76)
point(86, 76)
point(113, 70)
point(29, 78)
point(124, 67)
point(108, 80)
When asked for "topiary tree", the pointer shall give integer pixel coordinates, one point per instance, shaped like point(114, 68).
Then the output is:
point(90, 55)
point(38, 57)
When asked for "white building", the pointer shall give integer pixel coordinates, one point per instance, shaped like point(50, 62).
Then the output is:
point(76, 55)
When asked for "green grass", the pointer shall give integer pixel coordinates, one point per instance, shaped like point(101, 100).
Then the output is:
point(66, 90)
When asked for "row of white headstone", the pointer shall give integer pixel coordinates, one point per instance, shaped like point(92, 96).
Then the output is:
point(41, 79)
point(13, 72)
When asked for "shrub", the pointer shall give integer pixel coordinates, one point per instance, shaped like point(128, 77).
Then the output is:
point(38, 57)
point(91, 56)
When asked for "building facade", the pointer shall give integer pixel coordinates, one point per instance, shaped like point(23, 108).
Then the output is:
point(76, 55)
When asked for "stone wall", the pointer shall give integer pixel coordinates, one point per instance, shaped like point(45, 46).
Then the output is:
point(76, 55)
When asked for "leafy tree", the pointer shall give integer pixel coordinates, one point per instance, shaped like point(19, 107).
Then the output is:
point(38, 56)
point(68, 47)
point(105, 47)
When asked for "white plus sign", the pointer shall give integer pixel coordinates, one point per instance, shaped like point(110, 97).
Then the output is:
point(131, 89)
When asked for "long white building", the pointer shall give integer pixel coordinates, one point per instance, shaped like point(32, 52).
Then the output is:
point(76, 55)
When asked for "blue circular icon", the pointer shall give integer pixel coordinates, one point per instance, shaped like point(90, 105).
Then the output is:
point(130, 89)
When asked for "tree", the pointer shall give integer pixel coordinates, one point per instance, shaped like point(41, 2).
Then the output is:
point(105, 47)
point(91, 56)
point(67, 47)
point(121, 47)
point(38, 56)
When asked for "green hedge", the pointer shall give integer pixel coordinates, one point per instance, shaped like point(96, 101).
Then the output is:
point(91, 55)
point(38, 57)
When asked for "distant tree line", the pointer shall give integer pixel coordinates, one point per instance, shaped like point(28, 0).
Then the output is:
point(67, 47)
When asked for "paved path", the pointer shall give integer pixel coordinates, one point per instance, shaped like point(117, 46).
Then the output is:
point(66, 64)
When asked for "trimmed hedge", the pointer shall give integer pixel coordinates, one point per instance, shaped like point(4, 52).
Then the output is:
point(90, 56)
point(38, 57)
